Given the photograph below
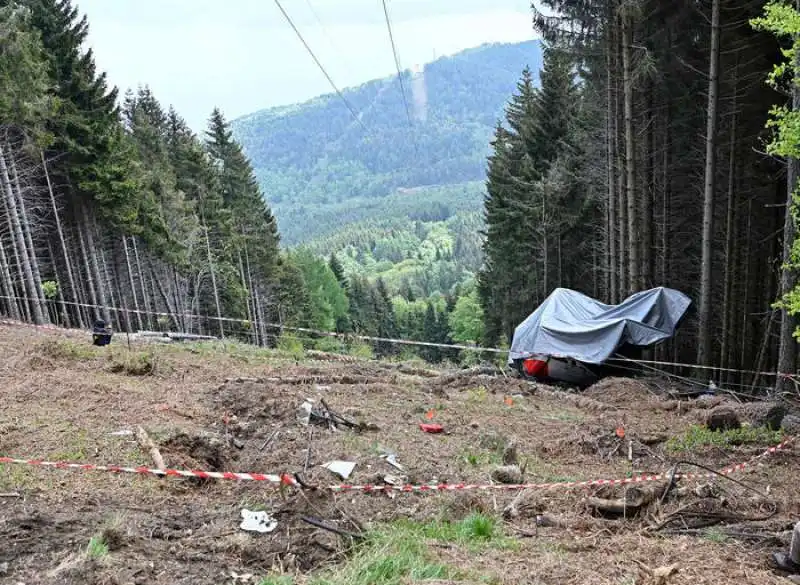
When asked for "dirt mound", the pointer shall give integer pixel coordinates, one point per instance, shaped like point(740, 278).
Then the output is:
point(621, 392)
point(198, 452)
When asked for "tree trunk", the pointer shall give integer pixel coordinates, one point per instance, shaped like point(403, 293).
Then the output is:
point(34, 296)
point(630, 157)
point(145, 296)
point(214, 282)
point(704, 333)
point(31, 250)
point(729, 234)
point(87, 269)
point(94, 267)
point(60, 230)
point(65, 320)
point(132, 283)
point(651, 183)
point(611, 131)
point(621, 201)
point(787, 356)
point(8, 284)
point(744, 333)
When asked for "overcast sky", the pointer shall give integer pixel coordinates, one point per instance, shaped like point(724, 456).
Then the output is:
point(242, 56)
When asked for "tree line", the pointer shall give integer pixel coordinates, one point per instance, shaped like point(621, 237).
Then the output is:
point(649, 157)
point(108, 204)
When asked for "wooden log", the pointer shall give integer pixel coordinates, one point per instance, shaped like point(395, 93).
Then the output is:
point(145, 442)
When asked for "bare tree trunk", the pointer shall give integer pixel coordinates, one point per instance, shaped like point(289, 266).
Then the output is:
point(621, 201)
point(131, 282)
point(87, 269)
point(704, 332)
point(630, 156)
point(31, 250)
point(744, 333)
point(729, 233)
point(108, 285)
point(651, 183)
point(34, 296)
point(60, 230)
point(611, 131)
point(8, 284)
point(145, 296)
point(65, 320)
point(254, 292)
point(214, 282)
point(94, 267)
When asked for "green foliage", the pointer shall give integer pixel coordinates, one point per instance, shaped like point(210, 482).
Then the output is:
point(23, 69)
point(328, 302)
point(321, 171)
point(97, 548)
point(397, 553)
point(50, 289)
point(783, 20)
point(700, 436)
point(466, 320)
point(539, 205)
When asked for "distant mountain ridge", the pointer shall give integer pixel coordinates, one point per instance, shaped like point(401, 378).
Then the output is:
point(321, 169)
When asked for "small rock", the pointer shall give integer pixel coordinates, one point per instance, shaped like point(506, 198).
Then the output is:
point(791, 424)
point(722, 418)
point(238, 444)
point(510, 454)
point(707, 401)
point(508, 474)
point(474, 424)
point(762, 414)
point(4, 568)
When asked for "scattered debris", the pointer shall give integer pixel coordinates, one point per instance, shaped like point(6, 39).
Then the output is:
point(122, 433)
point(762, 414)
point(391, 459)
point(304, 412)
point(510, 456)
point(722, 418)
point(320, 524)
point(508, 474)
point(341, 468)
point(146, 443)
point(431, 428)
point(791, 424)
point(257, 521)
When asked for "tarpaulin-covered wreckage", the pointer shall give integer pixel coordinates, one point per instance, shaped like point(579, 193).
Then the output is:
point(571, 336)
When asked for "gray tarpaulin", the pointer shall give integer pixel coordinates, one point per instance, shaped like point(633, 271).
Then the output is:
point(570, 324)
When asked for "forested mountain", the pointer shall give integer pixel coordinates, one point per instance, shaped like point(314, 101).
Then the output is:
point(655, 153)
point(320, 168)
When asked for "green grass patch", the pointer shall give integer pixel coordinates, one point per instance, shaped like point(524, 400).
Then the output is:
point(397, 553)
point(97, 549)
point(134, 363)
point(698, 436)
point(64, 349)
point(715, 535)
point(277, 580)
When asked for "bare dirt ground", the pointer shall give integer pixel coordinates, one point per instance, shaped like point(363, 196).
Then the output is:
point(214, 407)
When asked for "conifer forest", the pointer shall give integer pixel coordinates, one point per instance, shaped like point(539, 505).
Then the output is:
point(651, 143)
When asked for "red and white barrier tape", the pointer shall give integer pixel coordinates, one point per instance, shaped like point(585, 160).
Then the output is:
point(286, 479)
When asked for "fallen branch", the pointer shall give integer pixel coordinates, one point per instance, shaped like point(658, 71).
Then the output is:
point(335, 530)
point(145, 442)
point(11, 495)
point(270, 438)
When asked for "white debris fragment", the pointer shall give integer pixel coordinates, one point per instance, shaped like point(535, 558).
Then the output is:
point(341, 468)
point(257, 521)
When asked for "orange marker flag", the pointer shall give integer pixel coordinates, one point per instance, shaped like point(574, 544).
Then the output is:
point(430, 414)
point(621, 432)
point(509, 401)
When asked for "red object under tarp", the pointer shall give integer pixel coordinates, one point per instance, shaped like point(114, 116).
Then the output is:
point(429, 428)
point(535, 368)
